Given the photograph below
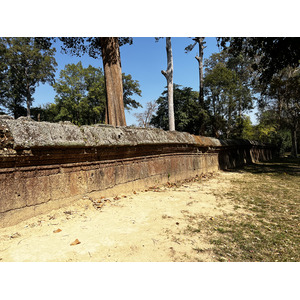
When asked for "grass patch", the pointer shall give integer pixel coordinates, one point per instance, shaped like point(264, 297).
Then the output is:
point(268, 229)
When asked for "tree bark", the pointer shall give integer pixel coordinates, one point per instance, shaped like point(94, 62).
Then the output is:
point(28, 95)
point(169, 76)
point(294, 143)
point(200, 41)
point(28, 101)
point(115, 114)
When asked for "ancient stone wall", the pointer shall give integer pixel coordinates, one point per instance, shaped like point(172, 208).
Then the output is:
point(44, 166)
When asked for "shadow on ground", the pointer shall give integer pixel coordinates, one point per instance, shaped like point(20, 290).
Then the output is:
point(279, 166)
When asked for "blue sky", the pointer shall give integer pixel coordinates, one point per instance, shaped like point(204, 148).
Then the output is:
point(144, 60)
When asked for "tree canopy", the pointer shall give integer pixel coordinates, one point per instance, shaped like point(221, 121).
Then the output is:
point(282, 97)
point(186, 110)
point(228, 93)
point(270, 54)
point(130, 87)
point(89, 45)
point(80, 96)
point(24, 65)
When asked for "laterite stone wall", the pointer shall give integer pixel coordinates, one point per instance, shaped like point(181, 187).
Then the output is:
point(44, 166)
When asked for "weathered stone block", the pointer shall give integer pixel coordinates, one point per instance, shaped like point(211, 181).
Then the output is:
point(59, 186)
point(37, 190)
point(12, 191)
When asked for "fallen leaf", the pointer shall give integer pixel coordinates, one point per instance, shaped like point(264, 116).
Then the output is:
point(57, 230)
point(76, 242)
point(15, 235)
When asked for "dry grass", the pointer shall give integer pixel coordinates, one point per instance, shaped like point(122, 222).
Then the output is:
point(266, 225)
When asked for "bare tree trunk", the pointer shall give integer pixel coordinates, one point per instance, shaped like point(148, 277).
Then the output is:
point(200, 41)
point(169, 76)
point(115, 114)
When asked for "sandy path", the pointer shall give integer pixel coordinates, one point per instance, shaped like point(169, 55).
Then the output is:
point(146, 226)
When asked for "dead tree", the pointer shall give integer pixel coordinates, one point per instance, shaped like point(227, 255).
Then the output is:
point(169, 76)
point(144, 118)
point(200, 41)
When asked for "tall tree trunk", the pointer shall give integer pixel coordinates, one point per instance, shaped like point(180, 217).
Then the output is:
point(294, 143)
point(200, 41)
point(28, 101)
point(115, 114)
point(169, 76)
point(28, 95)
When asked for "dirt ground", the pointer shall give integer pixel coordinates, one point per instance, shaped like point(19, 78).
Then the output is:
point(147, 226)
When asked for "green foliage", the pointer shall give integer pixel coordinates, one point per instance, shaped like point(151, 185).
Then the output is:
point(25, 63)
point(271, 55)
point(90, 45)
point(280, 107)
point(276, 62)
point(81, 96)
point(244, 129)
point(130, 87)
point(269, 131)
point(186, 110)
point(228, 94)
point(47, 112)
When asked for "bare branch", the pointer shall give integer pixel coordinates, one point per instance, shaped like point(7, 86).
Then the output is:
point(164, 73)
point(144, 118)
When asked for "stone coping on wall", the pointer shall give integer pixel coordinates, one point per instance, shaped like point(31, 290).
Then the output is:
point(28, 134)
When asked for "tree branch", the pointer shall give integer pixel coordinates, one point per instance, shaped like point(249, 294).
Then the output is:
point(164, 73)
